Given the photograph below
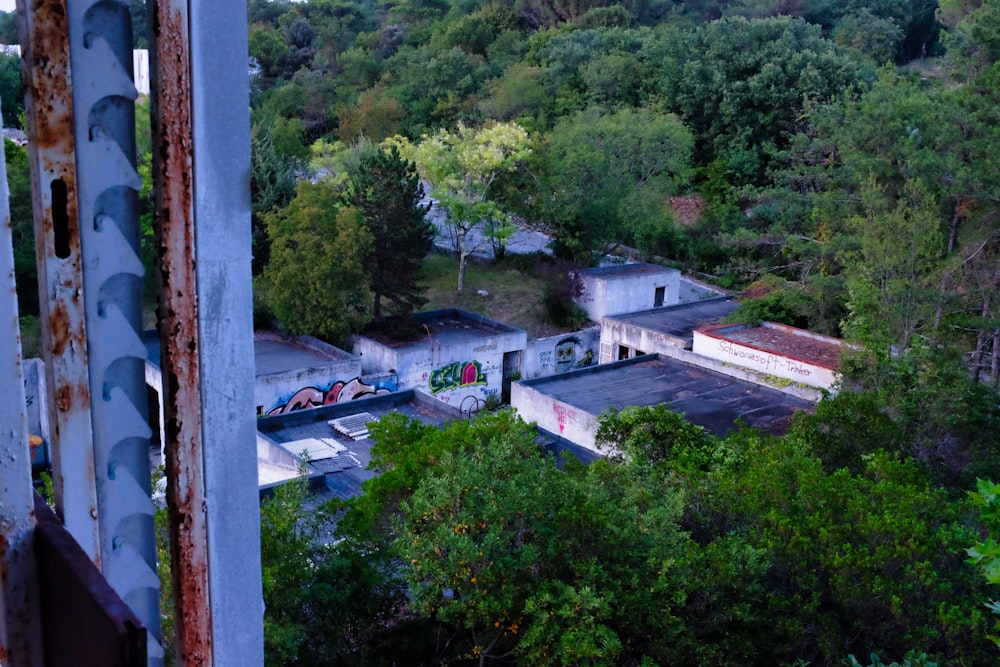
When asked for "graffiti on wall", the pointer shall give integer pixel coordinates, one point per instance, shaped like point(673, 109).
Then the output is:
point(563, 415)
point(338, 392)
point(457, 375)
point(768, 361)
point(570, 354)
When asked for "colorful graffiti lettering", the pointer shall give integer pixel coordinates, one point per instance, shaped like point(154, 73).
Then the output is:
point(566, 355)
point(457, 375)
point(338, 392)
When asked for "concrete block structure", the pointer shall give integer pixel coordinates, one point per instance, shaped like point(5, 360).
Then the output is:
point(344, 465)
point(774, 349)
point(298, 372)
point(627, 288)
point(569, 405)
point(660, 331)
point(461, 358)
point(559, 354)
point(291, 373)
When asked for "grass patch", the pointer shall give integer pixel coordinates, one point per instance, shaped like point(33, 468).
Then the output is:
point(514, 294)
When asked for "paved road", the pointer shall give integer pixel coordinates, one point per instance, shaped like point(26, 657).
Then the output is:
point(527, 241)
point(523, 241)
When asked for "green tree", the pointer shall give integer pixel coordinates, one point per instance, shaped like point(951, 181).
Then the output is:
point(22, 227)
point(273, 176)
point(532, 561)
point(386, 190)
point(985, 554)
point(10, 89)
point(858, 562)
point(315, 278)
point(310, 584)
point(741, 85)
point(596, 165)
point(462, 166)
point(892, 276)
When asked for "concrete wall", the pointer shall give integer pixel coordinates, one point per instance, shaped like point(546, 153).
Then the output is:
point(615, 333)
point(460, 370)
point(714, 345)
point(310, 387)
point(747, 375)
point(614, 293)
point(557, 354)
point(554, 416)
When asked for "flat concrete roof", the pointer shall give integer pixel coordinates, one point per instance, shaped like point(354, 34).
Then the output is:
point(615, 270)
point(785, 340)
point(446, 326)
point(273, 353)
point(706, 398)
point(351, 466)
point(681, 320)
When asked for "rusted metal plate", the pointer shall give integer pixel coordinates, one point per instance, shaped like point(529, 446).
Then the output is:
point(49, 112)
point(85, 622)
point(180, 345)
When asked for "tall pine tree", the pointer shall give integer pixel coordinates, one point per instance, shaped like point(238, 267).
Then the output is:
point(387, 191)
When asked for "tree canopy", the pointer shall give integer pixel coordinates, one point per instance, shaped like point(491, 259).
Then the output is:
point(315, 280)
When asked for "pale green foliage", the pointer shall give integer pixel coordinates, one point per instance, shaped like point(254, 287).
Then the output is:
point(912, 659)
point(316, 283)
point(461, 166)
point(985, 554)
point(891, 277)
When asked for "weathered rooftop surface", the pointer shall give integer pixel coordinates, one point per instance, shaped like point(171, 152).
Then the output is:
point(681, 320)
point(273, 353)
point(627, 270)
point(446, 326)
point(705, 397)
point(791, 342)
point(346, 471)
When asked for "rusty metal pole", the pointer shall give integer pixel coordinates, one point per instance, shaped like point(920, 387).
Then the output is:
point(108, 194)
point(201, 142)
point(52, 149)
point(20, 624)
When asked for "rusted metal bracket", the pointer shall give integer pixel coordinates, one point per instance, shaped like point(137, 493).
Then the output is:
point(201, 169)
point(50, 115)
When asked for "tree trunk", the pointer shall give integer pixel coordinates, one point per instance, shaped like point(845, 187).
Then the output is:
point(377, 307)
point(956, 219)
point(995, 366)
point(463, 254)
point(977, 358)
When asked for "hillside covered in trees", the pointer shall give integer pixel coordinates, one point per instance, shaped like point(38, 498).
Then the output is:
point(838, 160)
point(835, 159)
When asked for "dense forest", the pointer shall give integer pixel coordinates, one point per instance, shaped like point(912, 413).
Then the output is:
point(836, 161)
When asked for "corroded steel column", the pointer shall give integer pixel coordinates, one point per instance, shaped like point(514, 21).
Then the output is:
point(202, 163)
point(50, 116)
point(108, 187)
point(20, 627)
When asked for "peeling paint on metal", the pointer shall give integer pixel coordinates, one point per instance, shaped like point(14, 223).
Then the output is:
point(179, 333)
point(49, 111)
